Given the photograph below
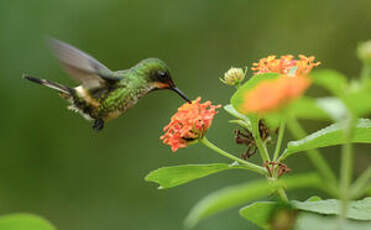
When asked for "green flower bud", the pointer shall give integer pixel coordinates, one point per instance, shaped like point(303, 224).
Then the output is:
point(233, 76)
point(364, 52)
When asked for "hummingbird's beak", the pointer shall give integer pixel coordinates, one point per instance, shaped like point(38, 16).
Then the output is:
point(175, 89)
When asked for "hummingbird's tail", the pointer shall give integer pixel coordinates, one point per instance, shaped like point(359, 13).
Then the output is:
point(56, 86)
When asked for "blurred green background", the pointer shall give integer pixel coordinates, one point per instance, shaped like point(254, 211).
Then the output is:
point(54, 165)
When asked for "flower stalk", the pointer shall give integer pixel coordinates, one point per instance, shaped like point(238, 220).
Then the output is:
point(246, 164)
point(346, 167)
point(259, 142)
point(279, 140)
point(359, 186)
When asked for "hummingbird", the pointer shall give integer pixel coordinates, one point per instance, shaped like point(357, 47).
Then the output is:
point(104, 95)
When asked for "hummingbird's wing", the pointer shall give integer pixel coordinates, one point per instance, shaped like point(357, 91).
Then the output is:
point(84, 68)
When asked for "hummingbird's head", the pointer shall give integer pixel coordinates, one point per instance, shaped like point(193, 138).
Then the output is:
point(159, 76)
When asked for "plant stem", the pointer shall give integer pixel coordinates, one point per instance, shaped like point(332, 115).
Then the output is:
point(281, 192)
point(279, 140)
point(314, 155)
point(259, 142)
point(360, 185)
point(346, 167)
point(248, 165)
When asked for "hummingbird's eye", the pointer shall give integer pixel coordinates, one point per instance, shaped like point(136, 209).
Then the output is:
point(162, 74)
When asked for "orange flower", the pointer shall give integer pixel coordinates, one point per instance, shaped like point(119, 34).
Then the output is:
point(271, 94)
point(190, 123)
point(284, 64)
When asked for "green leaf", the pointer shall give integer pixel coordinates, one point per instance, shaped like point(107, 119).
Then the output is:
point(21, 221)
point(313, 198)
point(243, 121)
point(334, 107)
point(358, 98)
point(306, 221)
point(307, 108)
point(333, 81)
point(304, 108)
point(242, 124)
point(269, 214)
point(358, 210)
point(355, 96)
point(329, 136)
point(259, 213)
point(241, 194)
point(238, 97)
point(168, 177)
point(229, 108)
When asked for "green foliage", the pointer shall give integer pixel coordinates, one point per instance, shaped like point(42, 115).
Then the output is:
point(241, 194)
point(259, 213)
point(243, 120)
point(358, 210)
point(229, 108)
point(329, 136)
point(334, 107)
point(21, 221)
point(306, 221)
point(307, 108)
point(168, 177)
point(337, 84)
point(358, 99)
point(333, 81)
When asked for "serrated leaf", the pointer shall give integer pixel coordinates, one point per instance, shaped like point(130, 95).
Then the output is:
point(168, 177)
point(241, 194)
point(334, 81)
point(238, 97)
point(358, 210)
point(22, 221)
point(307, 221)
point(329, 136)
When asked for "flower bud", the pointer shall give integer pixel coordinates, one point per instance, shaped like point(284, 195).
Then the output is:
point(233, 76)
point(364, 52)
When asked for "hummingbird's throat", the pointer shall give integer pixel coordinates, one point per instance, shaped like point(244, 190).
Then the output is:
point(161, 85)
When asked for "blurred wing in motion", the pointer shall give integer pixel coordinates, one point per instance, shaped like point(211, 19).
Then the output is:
point(84, 68)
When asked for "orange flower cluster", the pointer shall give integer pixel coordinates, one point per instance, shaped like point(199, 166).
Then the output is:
point(190, 123)
point(284, 64)
point(271, 94)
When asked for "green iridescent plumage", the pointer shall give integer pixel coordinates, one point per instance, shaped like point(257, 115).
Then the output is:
point(103, 94)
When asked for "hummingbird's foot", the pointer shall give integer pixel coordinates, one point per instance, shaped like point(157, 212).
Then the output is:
point(98, 125)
